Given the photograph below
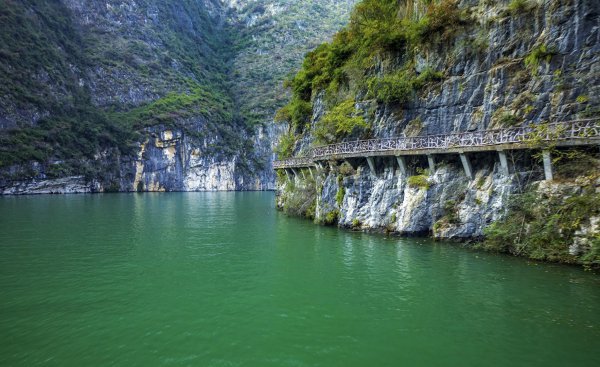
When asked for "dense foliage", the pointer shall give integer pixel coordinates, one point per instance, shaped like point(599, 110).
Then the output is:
point(544, 223)
point(341, 121)
point(37, 50)
point(299, 198)
point(543, 228)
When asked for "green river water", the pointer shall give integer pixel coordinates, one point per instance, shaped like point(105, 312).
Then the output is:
point(223, 279)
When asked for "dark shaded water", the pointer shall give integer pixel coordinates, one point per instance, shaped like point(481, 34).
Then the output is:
point(222, 279)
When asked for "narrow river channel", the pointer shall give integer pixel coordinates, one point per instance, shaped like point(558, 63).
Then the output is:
point(223, 279)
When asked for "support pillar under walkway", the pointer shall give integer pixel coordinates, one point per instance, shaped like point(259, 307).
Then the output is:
point(503, 163)
point(371, 163)
point(402, 164)
point(547, 165)
point(466, 165)
point(431, 162)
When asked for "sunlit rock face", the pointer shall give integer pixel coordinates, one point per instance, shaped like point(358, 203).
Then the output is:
point(462, 208)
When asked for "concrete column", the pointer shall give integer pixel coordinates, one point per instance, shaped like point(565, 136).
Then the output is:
point(466, 165)
point(303, 175)
point(503, 163)
point(295, 172)
point(287, 174)
point(402, 164)
point(431, 162)
point(311, 172)
point(371, 163)
point(547, 165)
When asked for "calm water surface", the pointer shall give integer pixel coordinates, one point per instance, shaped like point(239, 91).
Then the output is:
point(222, 279)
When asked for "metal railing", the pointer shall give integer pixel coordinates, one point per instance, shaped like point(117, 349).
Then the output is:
point(561, 131)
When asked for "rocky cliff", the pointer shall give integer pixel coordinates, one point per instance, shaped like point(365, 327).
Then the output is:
point(147, 95)
point(442, 67)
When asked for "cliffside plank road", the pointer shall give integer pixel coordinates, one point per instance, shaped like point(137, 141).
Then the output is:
point(535, 136)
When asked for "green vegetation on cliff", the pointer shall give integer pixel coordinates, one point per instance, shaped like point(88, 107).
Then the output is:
point(554, 221)
point(341, 121)
point(270, 38)
point(545, 226)
point(299, 198)
point(39, 47)
point(69, 143)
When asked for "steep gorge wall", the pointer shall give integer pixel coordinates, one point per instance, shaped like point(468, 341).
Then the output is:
point(488, 80)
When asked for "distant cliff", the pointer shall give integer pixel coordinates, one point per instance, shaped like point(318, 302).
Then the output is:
point(150, 95)
point(434, 67)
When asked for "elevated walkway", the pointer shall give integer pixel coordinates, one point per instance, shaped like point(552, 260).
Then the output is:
point(541, 136)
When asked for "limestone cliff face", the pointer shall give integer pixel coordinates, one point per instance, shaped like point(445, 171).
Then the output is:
point(486, 76)
point(488, 81)
point(169, 160)
point(446, 203)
